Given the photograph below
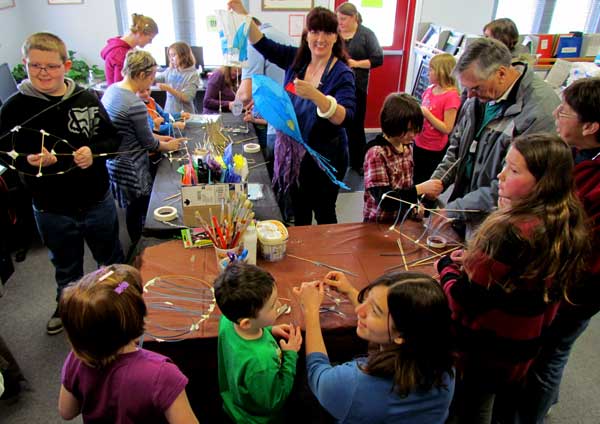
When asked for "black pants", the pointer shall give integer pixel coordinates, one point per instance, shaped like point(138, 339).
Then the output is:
point(425, 163)
point(356, 132)
point(135, 216)
point(316, 193)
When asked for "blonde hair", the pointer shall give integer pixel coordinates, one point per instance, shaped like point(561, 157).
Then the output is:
point(184, 54)
point(46, 42)
point(442, 65)
point(143, 24)
point(138, 64)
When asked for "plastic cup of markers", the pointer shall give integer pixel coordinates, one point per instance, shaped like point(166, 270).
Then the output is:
point(223, 255)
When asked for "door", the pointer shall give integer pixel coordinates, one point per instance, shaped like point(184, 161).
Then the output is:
point(395, 36)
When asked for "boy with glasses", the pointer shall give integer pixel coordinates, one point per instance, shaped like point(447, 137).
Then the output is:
point(52, 132)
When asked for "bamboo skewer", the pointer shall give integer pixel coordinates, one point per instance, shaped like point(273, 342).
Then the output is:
point(449, 169)
point(399, 242)
point(414, 241)
point(436, 255)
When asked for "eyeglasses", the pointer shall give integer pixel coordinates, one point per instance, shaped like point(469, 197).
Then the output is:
point(50, 68)
point(562, 114)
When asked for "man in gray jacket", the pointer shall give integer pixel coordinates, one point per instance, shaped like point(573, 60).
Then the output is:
point(504, 101)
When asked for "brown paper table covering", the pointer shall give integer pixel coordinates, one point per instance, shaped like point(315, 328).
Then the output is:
point(354, 247)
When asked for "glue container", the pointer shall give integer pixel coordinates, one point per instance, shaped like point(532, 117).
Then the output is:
point(250, 240)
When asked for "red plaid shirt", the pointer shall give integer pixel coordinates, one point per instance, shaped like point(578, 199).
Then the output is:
point(386, 166)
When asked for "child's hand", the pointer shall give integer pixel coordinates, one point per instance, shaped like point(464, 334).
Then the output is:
point(157, 122)
point(248, 117)
point(186, 115)
point(458, 256)
point(179, 125)
point(45, 158)
point(339, 281)
point(281, 331)
point(430, 188)
point(163, 86)
point(310, 295)
point(83, 157)
point(293, 341)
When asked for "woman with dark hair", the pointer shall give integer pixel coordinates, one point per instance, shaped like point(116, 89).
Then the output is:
point(323, 96)
point(365, 54)
point(409, 376)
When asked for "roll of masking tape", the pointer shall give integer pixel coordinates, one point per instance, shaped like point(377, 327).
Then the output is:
point(251, 148)
point(165, 213)
point(437, 242)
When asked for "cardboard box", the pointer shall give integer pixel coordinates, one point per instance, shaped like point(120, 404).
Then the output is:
point(204, 198)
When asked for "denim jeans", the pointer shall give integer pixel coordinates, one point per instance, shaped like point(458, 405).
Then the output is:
point(64, 234)
point(546, 373)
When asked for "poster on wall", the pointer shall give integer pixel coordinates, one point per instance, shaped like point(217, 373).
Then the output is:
point(275, 5)
point(5, 4)
point(296, 25)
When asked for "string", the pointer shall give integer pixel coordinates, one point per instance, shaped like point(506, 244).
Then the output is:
point(45, 136)
point(173, 295)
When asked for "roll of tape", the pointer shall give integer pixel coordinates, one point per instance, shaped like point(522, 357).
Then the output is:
point(437, 242)
point(251, 148)
point(165, 213)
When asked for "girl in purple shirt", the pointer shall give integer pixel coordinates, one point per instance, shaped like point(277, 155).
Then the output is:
point(106, 377)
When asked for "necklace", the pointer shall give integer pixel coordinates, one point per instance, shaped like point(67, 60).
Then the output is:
point(314, 77)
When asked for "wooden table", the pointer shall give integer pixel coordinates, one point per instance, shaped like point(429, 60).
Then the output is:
point(354, 247)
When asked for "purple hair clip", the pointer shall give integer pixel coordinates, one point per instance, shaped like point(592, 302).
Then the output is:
point(121, 287)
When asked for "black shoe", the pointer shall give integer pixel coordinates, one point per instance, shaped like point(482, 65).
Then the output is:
point(20, 255)
point(54, 325)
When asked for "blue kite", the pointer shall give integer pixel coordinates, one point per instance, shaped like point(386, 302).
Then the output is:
point(273, 103)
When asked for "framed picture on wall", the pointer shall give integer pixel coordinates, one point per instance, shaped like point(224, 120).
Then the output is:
point(5, 4)
point(273, 5)
point(65, 1)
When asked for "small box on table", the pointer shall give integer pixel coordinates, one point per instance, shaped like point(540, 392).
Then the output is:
point(204, 198)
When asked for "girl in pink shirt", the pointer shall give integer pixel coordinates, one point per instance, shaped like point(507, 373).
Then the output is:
point(440, 105)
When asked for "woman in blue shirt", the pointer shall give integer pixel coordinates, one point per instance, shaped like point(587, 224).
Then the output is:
point(409, 376)
point(322, 92)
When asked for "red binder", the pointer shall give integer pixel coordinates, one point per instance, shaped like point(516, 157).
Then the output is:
point(546, 45)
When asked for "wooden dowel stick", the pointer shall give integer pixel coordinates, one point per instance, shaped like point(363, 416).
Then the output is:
point(399, 242)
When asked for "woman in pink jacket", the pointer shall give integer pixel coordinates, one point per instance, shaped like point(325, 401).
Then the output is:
point(141, 32)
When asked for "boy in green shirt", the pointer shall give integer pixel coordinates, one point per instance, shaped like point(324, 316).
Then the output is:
point(256, 374)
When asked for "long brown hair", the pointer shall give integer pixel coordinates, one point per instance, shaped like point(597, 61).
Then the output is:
point(229, 82)
point(319, 19)
point(559, 244)
point(419, 312)
point(185, 57)
point(103, 312)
